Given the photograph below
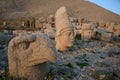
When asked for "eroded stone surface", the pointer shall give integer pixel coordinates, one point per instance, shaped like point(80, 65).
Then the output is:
point(28, 56)
point(87, 31)
point(64, 30)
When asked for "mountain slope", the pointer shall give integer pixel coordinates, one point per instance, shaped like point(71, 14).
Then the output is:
point(76, 8)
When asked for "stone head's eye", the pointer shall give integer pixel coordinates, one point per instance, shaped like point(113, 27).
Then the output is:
point(24, 45)
point(69, 33)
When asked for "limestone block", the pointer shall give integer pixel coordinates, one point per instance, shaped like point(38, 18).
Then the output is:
point(50, 32)
point(117, 30)
point(51, 19)
point(81, 20)
point(107, 36)
point(38, 24)
point(42, 20)
point(111, 28)
point(64, 30)
point(46, 25)
point(28, 56)
point(89, 26)
point(102, 25)
point(78, 27)
point(107, 24)
point(117, 33)
point(87, 35)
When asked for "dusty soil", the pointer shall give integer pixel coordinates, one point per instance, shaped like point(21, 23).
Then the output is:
point(36, 8)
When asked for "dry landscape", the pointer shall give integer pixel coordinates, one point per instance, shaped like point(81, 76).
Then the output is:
point(34, 41)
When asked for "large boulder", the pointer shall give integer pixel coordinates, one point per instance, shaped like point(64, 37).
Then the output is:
point(28, 56)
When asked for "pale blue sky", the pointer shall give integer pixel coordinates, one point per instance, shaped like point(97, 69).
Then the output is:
point(112, 5)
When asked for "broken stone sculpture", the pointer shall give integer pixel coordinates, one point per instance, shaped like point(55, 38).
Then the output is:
point(115, 28)
point(88, 31)
point(104, 34)
point(64, 30)
point(28, 56)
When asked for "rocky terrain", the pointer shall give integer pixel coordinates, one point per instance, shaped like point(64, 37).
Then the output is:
point(86, 60)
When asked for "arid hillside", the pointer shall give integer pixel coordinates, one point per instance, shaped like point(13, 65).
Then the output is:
point(76, 8)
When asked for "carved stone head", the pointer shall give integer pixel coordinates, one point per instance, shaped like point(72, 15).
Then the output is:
point(64, 30)
point(28, 56)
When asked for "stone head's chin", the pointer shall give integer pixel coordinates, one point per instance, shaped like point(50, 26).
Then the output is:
point(70, 45)
point(63, 45)
point(60, 47)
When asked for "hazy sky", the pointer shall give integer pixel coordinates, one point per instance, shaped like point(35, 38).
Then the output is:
point(112, 5)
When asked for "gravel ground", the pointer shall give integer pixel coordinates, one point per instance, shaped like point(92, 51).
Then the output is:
point(91, 60)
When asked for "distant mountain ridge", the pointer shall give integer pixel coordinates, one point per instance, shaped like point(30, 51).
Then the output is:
point(37, 8)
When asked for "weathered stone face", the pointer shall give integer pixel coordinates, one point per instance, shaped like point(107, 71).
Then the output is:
point(64, 30)
point(28, 56)
point(65, 40)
